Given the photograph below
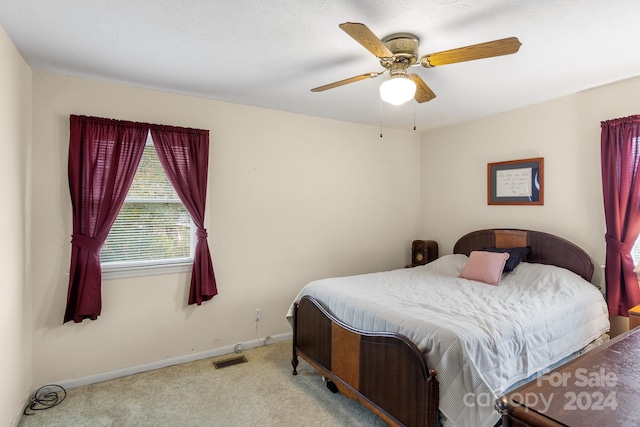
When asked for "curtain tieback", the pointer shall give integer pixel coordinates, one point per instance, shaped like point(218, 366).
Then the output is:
point(618, 246)
point(89, 243)
point(201, 233)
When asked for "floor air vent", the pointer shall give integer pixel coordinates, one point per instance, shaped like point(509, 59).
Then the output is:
point(230, 362)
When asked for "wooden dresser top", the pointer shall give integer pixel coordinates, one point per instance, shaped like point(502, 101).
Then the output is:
point(600, 388)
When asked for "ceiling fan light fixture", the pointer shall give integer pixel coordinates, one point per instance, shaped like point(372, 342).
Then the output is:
point(398, 89)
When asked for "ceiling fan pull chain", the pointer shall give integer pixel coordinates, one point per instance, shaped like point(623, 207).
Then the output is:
point(380, 117)
point(414, 117)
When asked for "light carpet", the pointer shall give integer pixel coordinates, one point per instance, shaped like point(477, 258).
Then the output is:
point(261, 392)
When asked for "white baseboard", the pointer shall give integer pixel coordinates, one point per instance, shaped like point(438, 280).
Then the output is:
point(105, 376)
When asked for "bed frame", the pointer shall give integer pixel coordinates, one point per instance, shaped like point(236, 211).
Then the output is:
point(386, 372)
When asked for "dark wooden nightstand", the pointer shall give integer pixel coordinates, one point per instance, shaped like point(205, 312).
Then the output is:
point(634, 317)
point(423, 252)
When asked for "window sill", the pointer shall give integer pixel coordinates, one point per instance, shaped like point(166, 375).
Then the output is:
point(121, 272)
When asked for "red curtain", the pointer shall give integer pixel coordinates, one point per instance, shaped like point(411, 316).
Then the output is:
point(103, 157)
point(184, 155)
point(620, 156)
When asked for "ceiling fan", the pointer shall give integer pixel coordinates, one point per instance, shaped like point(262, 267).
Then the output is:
point(399, 51)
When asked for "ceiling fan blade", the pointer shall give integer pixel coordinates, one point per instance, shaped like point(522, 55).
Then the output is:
point(423, 92)
point(346, 81)
point(363, 35)
point(469, 53)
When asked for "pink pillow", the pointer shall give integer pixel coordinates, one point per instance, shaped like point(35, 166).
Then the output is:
point(485, 266)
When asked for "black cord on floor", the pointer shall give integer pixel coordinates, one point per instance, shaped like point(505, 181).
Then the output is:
point(45, 397)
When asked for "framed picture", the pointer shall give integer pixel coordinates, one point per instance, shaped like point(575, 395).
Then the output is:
point(516, 182)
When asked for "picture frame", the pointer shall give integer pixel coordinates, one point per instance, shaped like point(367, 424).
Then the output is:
point(516, 182)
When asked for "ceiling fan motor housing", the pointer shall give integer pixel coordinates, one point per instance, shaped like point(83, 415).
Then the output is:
point(404, 47)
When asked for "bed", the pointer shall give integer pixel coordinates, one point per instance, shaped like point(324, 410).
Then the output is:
point(421, 346)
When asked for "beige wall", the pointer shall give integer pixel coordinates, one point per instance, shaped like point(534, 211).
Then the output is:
point(291, 198)
point(15, 303)
point(565, 131)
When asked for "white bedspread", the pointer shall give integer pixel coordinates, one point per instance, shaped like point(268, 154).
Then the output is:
point(480, 338)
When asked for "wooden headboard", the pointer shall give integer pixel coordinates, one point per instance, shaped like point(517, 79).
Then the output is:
point(545, 248)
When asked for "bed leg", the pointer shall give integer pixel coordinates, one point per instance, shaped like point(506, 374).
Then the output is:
point(433, 386)
point(294, 357)
point(294, 362)
point(332, 386)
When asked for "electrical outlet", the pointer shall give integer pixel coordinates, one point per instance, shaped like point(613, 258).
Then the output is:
point(258, 314)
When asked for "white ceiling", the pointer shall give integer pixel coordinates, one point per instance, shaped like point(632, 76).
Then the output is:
point(270, 53)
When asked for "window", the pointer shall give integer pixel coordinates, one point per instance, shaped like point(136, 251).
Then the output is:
point(635, 253)
point(104, 155)
point(153, 228)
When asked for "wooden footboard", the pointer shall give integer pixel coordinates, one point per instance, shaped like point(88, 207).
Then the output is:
point(385, 371)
